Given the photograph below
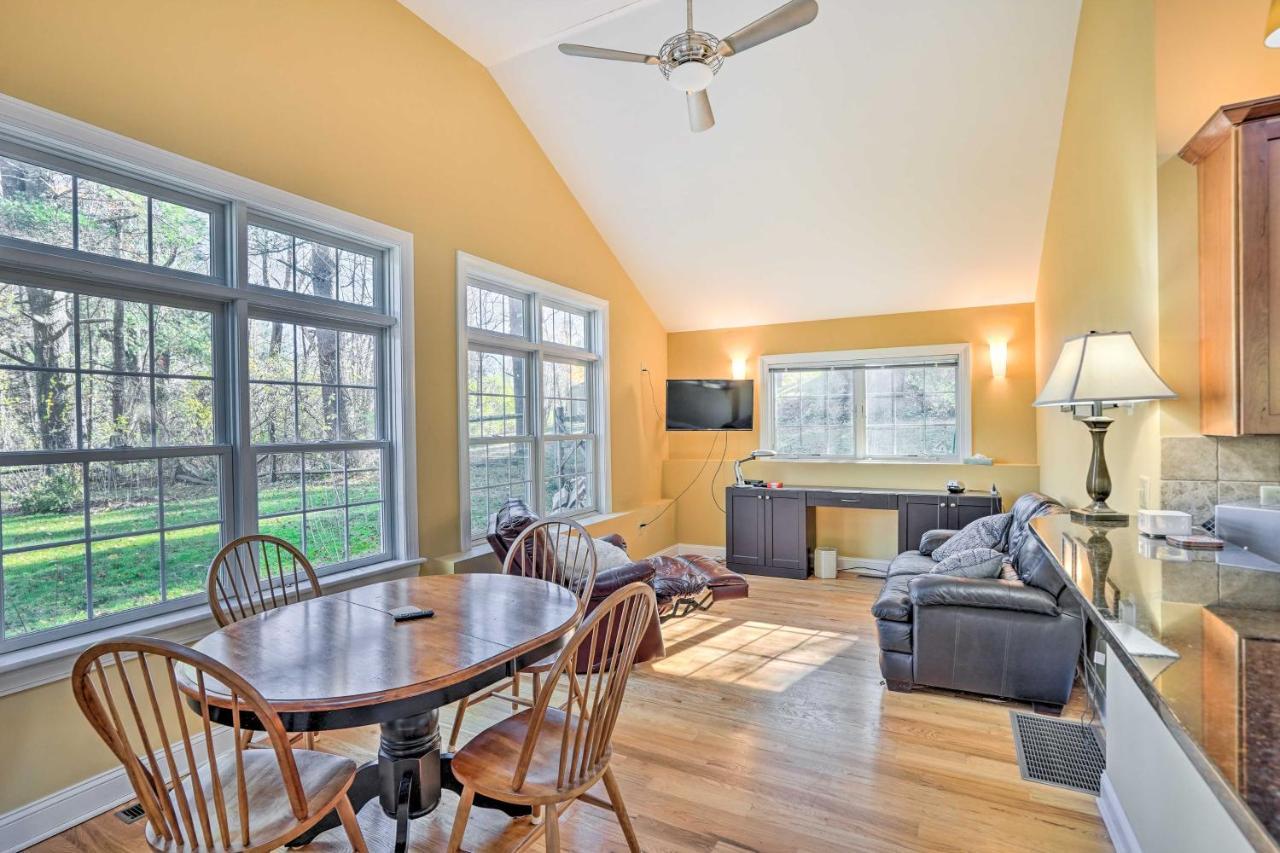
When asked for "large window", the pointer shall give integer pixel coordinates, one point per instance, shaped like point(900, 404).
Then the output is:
point(532, 364)
point(907, 404)
point(159, 398)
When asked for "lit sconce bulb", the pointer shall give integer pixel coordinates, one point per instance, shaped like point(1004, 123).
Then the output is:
point(739, 368)
point(999, 358)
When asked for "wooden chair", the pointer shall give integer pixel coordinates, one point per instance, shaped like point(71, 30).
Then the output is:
point(545, 756)
point(194, 799)
point(557, 550)
point(249, 576)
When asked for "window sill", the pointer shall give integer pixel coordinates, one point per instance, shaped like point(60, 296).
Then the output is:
point(851, 460)
point(32, 667)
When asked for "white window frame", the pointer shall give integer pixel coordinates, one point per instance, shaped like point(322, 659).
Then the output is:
point(236, 200)
point(853, 358)
point(536, 292)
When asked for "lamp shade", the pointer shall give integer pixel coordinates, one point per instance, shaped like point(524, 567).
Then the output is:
point(1271, 38)
point(1102, 367)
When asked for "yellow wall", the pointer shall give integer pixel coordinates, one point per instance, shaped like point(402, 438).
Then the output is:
point(360, 105)
point(1003, 421)
point(1098, 266)
point(1179, 297)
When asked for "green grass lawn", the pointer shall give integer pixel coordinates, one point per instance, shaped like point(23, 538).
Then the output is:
point(47, 588)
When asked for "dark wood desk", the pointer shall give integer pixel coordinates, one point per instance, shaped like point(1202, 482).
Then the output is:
point(340, 661)
point(771, 531)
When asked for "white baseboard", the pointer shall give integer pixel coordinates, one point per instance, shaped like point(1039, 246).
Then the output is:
point(61, 810)
point(1113, 817)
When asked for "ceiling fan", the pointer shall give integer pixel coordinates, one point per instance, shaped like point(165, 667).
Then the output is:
point(691, 59)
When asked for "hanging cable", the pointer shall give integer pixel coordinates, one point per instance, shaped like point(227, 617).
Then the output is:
point(724, 450)
point(653, 396)
point(705, 461)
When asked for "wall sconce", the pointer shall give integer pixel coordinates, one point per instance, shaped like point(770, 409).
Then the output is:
point(999, 358)
point(739, 368)
point(1271, 36)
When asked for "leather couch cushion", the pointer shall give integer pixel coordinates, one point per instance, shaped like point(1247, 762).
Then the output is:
point(894, 602)
point(687, 575)
point(894, 636)
point(931, 539)
point(910, 563)
point(942, 591)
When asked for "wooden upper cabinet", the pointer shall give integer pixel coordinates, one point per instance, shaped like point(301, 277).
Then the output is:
point(1237, 160)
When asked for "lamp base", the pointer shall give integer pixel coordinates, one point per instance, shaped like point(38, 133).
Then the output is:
point(1100, 515)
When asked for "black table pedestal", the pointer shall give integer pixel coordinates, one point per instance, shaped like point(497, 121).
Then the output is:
point(407, 779)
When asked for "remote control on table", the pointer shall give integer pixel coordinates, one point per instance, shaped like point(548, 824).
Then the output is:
point(408, 612)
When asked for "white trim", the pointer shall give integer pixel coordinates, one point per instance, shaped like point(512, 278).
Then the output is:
point(964, 395)
point(30, 824)
point(505, 279)
point(46, 130)
point(34, 666)
point(1113, 817)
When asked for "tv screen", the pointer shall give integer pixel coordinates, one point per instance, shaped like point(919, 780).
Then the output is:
point(709, 404)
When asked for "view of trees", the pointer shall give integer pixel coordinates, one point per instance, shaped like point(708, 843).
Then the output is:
point(89, 371)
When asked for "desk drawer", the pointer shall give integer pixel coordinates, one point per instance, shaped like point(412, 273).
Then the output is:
point(854, 500)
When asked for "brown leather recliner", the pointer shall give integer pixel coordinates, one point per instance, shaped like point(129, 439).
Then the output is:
point(681, 583)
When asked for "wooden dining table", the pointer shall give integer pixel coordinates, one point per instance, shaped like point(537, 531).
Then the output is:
point(341, 661)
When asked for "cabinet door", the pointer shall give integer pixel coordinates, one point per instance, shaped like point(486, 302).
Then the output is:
point(785, 543)
point(916, 514)
point(1259, 307)
point(744, 533)
point(968, 508)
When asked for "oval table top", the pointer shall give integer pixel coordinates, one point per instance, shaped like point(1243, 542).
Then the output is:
point(344, 651)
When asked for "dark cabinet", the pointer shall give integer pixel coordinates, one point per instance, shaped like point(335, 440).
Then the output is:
point(768, 532)
point(918, 513)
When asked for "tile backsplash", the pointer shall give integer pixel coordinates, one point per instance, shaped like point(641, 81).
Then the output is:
point(1197, 472)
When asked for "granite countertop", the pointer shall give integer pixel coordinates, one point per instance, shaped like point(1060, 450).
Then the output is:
point(1199, 631)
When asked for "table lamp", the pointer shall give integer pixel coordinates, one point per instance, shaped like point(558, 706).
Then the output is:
point(755, 454)
point(1101, 370)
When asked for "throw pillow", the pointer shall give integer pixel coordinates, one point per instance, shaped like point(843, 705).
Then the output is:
point(991, 531)
point(975, 563)
point(608, 555)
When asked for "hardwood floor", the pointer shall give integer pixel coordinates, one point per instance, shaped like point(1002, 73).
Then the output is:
point(766, 727)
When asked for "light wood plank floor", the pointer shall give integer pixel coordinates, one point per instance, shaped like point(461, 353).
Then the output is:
point(767, 728)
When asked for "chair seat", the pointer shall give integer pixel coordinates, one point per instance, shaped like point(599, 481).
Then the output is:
point(324, 779)
point(489, 759)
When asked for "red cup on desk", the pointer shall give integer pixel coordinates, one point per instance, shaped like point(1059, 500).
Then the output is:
point(776, 484)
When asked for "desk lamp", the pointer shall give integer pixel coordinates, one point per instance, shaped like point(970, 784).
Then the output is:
point(755, 454)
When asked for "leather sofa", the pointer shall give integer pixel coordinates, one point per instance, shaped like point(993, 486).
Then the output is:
point(1016, 639)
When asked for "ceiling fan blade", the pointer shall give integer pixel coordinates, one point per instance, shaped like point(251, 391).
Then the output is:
point(606, 53)
point(700, 116)
point(784, 19)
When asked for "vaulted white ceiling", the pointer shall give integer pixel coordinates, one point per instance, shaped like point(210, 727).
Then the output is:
point(888, 157)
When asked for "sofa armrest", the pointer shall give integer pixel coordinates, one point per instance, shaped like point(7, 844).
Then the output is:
point(934, 538)
point(615, 540)
point(941, 591)
point(611, 580)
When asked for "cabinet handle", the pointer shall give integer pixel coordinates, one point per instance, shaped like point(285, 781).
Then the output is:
point(850, 500)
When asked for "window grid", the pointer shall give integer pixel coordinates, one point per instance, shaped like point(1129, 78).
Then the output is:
point(555, 474)
point(158, 226)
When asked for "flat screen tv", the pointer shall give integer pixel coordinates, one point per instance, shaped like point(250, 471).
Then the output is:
point(695, 405)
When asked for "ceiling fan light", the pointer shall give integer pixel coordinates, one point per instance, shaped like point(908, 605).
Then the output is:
point(692, 76)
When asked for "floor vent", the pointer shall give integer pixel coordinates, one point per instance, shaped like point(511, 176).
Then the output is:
point(133, 814)
point(1057, 752)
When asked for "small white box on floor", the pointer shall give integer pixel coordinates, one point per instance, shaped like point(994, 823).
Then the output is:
point(1164, 522)
point(824, 562)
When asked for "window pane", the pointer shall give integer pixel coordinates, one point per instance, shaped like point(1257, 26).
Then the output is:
point(565, 398)
point(126, 573)
point(117, 410)
point(44, 589)
point(41, 504)
point(359, 359)
point(124, 497)
point(366, 530)
point(112, 221)
point(279, 483)
point(271, 350)
point(36, 327)
point(183, 341)
point(180, 236)
point(317, 269)
point(814, 412)
point(115, 335)
point(563, 326)
point(497, 472)
point(326, 532)
point(37, 410)
point(324, 480)
point(496, 394)
point(364, 476)
point(271, 413)
point(317, 413)
point(493, 311)
point(288, 528)
point(187, 555)
point(191, 492)
point(916, 406)
point(35, 203)
point(355, 278)
point(184, 411)
point(567, 476)
point(358, 414)
point(270, 258)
